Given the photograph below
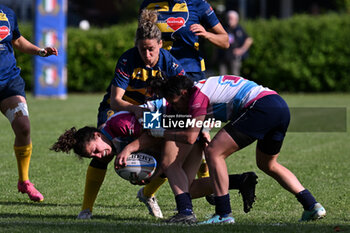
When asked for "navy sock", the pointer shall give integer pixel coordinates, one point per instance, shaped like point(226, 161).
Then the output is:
point(222, 205)
point(184, 203)
point(306, 199)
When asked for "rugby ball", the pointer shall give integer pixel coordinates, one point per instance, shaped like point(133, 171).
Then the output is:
point(139, 166)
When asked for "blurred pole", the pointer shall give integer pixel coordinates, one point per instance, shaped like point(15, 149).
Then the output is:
point(50, 76)
point(242, 9)
point(263, 9)
point(286, 8)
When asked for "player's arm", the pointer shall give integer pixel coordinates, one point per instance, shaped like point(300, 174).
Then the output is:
point(216, 35)
point(188, 136)
point(118, 104)
point(23, 45)
point(141, 143)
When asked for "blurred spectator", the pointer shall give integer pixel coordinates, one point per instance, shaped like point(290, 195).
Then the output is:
point(230, 60)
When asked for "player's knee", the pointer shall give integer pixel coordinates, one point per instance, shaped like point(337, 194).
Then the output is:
point(17, 113)
point(21, 127)
point(168, 167)
point(265, 167)
point(209, 153)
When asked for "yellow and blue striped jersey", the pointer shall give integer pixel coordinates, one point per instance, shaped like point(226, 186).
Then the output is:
point(174, 20)
point(131, 75)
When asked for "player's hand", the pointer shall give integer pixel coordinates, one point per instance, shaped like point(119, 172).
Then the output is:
point(48, 51)
point(141, 182)
point(138, 112)
point(198, 30)
point(205, 138)
point(120, 160)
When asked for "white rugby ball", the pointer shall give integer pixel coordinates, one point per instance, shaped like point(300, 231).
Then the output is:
point(139, 166)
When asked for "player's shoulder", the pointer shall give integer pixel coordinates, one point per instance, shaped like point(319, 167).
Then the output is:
point(129, 58)
point(198, 3)
point(6, 9)
point(166, 55)
point(130, 52)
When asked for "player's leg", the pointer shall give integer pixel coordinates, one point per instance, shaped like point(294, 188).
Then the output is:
point(244, 182)
point(95, 175)
point(268, 163)
point(174, 155)
point(216, 152)
point(193, 162)
point(16, 110)
point(277, 118)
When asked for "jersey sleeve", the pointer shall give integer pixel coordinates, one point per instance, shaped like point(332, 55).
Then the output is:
point(122, 73)
point(198, 103)
point(208, 17)
point(122, 125)
point(15, 31)
point(174, 67)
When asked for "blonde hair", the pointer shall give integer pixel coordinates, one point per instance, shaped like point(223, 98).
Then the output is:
point(147, 28)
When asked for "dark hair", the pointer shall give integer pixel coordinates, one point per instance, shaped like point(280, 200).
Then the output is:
point(171, 86)
point(147, 28)
point(76, 140)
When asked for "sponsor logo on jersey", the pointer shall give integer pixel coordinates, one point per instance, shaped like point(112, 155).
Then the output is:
point(4, 32)
point(175, 23)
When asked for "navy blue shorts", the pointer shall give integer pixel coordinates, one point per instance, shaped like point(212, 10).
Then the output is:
point(14, 86)
point(266, 120)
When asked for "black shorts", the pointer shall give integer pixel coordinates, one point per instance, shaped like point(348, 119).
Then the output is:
point(266, 120)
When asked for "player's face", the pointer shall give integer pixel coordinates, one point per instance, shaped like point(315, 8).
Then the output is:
point(149, 51)
point(179, 102)
point(98, 148)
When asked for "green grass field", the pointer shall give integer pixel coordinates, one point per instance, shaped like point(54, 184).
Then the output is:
point(319, 160)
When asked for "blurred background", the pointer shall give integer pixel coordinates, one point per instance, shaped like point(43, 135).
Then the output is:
point(299, 45)
point(109, 12)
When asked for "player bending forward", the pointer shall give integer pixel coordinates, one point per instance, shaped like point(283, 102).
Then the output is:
point(254, 113)
point(120, 130)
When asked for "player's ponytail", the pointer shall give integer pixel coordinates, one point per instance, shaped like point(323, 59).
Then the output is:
point(73, 139)
point(147, 28)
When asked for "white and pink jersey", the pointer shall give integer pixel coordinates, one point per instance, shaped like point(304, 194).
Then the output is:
point(221, 97)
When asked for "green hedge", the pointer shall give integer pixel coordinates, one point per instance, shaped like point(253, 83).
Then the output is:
point(299, 54)
point(303, 53)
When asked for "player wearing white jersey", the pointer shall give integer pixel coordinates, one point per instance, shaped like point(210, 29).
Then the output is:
point(254, 113)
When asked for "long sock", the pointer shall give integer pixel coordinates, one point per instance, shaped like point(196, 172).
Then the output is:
point(306, 199)
point(203, 170)
point(184, 203)
point(151, 188)
point(222, 205)
point(94, 180)
point(23, 154)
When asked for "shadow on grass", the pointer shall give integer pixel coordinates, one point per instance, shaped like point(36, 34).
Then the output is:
point(38, 204)
point(135, 225)
point(43, 204)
